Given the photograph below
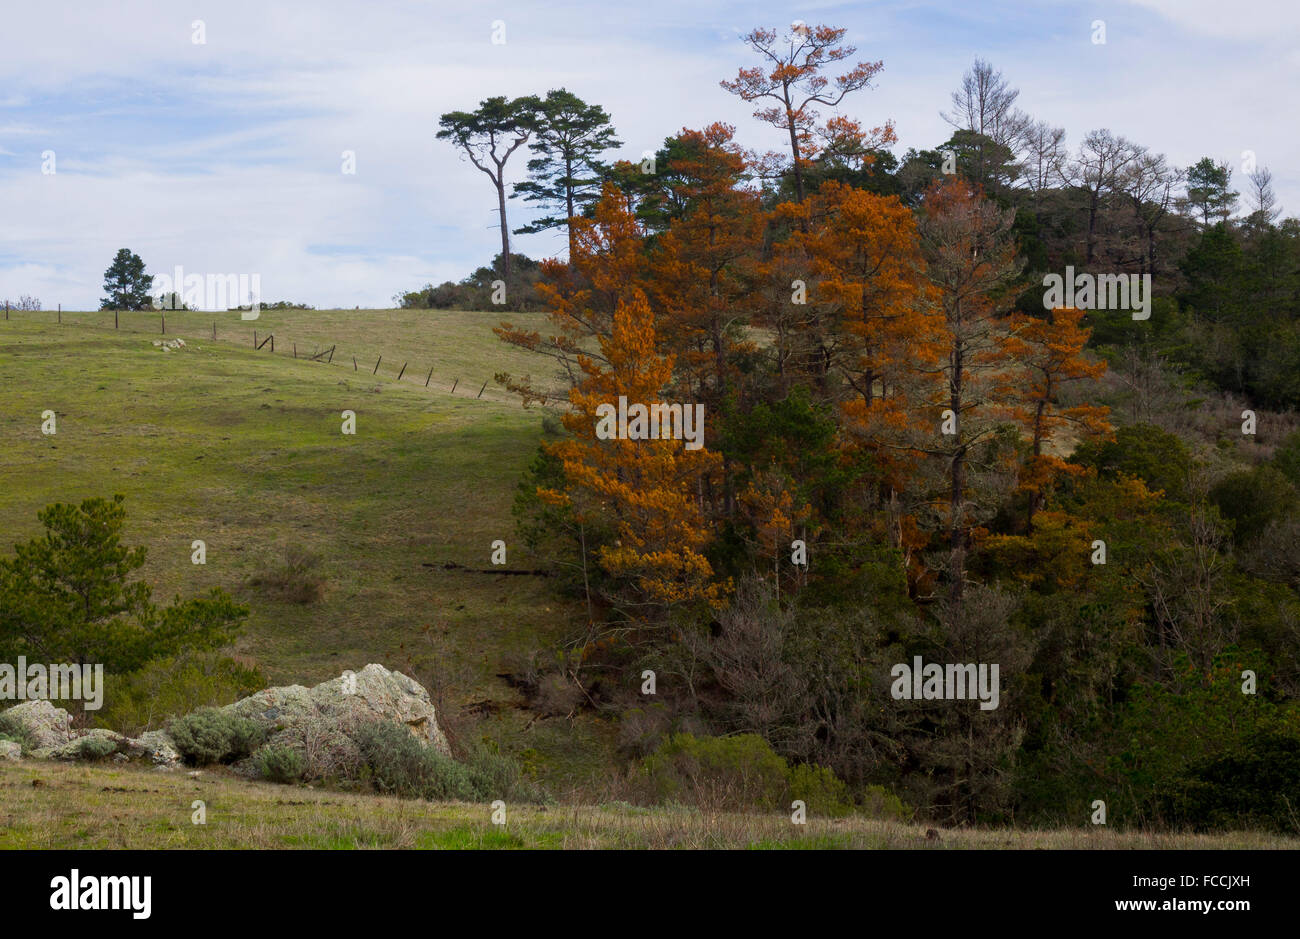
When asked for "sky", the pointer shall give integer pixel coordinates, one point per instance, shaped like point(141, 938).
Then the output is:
point(226, 156)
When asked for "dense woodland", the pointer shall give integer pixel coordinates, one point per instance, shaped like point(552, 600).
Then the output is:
point(1073, 494)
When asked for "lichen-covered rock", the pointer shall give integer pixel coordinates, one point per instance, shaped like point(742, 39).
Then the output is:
point(156, 747)
point(323, 716)
point(49, 727)
point(72, 749)
point(9, 750)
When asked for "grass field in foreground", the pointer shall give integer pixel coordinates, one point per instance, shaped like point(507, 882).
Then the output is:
point(243, 450)
point(78, 806)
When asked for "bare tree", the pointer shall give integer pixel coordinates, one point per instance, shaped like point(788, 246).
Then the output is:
point(1263, 203)
point(1096, 170)
point(985, 105)
point(1149, 181)
point(1044, 156)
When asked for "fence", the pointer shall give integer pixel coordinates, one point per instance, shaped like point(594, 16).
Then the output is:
point(321, 356)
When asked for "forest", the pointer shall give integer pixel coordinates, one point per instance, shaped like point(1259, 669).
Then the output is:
point(913, 452)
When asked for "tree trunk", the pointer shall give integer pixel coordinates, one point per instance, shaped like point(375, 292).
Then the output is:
point(505, 229)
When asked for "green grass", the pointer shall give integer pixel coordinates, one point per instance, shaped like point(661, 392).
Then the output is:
point(243, 450)
point(78, 806)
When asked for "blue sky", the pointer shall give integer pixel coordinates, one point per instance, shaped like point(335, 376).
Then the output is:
point(225, 157)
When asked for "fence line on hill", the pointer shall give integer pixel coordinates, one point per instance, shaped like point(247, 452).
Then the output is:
point(270, 338)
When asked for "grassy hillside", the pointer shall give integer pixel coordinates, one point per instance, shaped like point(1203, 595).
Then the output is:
point(51, 805)
point(243, 450)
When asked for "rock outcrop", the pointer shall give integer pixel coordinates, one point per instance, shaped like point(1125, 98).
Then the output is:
point(318, 719)
point(332, 709)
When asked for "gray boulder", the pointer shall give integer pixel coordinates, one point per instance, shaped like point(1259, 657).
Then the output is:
point(50, 727)
point(10, 750)
point(321, 718)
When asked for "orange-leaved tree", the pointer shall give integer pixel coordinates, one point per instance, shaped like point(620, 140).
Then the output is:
point(971, 260)
point(647, 489)
point(791, 78)
point(1050, 351)
point(606, 267)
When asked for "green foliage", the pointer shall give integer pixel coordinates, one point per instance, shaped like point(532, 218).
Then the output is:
point(210, 735)
point(173, 686)
point(94, 749)
point(1194, 719)
point(280, 764)
point(126, 284)
point(1253, 787)
point(820, 790)
point(399, 764)
point(730, 773)
point(566, 172)
point(743, 773)
point(13, 730)
point(66, 596)
point(1157, 457)
point(1287, 458)
point(1253, 498)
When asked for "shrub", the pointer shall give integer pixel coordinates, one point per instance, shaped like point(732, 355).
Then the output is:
point(879, 802)
point(280, 764)
point(496, 775)
point(733, 773)
point(819, 789)
point(172, 687)
point(1157, 457)
point(92, 749)
point(399, 764)
point(295, 581)
point(12, 730)
point(1257, 786)
point(1252, 499)
point(213, 736)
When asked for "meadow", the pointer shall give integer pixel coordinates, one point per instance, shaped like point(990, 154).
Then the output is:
point(243, 450)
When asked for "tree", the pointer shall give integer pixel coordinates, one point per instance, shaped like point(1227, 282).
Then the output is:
point(971, 260)
point(488, 137)
point(1207, 190)
point(1149, 182)
point(1050, 350)
point(1097, 171)
point(1044, 158)
point(793, 78)
point(1263, 203)
point(569, 137)
point(66, 597)
point(126, 283)
point(646, 488)
point(985, 106)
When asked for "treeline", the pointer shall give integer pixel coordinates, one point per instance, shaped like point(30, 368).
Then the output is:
point(906, 455)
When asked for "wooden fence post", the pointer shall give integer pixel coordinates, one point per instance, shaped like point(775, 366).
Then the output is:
point(426, 381)
point(377, 361)
point(354, 363)
point(60, 312)
point(480, 391)
point(454, 384)
point(402, 372)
